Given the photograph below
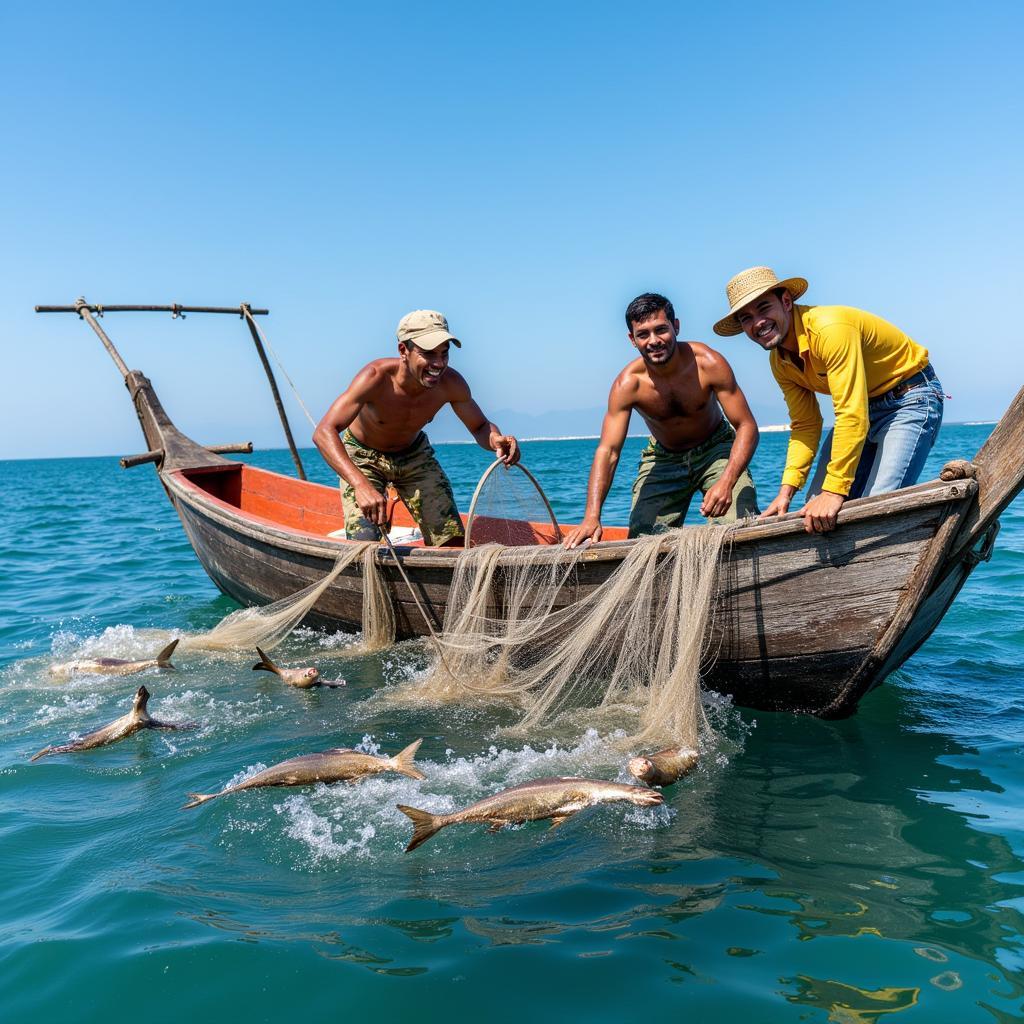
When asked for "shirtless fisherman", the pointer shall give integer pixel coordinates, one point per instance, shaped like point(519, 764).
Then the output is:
point(887, 399)
point(382, 413)
point(681, 389)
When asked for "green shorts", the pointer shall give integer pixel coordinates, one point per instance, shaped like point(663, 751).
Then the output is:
point(666, 481)
point(420, 481)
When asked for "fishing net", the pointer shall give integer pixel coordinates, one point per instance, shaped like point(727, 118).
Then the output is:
point(268, 625)
point(637, 641)
point(510, 508)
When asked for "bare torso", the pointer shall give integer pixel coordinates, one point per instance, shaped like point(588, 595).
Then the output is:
point(678, 404)
point(391, 418)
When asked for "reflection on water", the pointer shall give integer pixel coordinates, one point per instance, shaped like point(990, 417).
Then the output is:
point(834, 811)
point(847, 1004)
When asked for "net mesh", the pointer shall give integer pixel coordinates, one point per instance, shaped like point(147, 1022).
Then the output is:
point(509, 508)
point(635, 642)
point(268, 625)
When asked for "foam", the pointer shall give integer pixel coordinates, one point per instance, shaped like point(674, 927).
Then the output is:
point(340, 822)
point(245, 774)
point(69, 707)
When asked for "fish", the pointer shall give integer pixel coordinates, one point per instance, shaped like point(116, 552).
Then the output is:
point(114, 666)
point(555, 798)
point(340, 764)
point(125, 726)
point(665, 767)
point(301, 678)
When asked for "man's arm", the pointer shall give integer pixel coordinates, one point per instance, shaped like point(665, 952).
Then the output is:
point(805, 433)
point(485, 433)
point(327, 437)
point(844, 360)
point(718, 373)
point(602, 469)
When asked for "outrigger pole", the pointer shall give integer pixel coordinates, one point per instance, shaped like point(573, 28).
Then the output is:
point(89, 312)
point(249, 314)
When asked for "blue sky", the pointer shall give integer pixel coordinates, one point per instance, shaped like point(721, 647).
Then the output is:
point(525, 168)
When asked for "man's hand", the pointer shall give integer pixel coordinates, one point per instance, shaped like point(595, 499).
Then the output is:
point(780, 504)
point(506, 447)
point(372, 504)
point(821, 511)
point(718, 499)
point(589, 528)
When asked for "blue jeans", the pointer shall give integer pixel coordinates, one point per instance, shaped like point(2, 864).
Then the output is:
point(901, 432)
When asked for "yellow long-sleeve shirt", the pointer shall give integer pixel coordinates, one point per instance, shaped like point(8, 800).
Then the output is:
point(852, 356)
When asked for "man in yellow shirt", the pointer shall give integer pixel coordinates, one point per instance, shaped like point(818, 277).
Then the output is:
point(887, 399)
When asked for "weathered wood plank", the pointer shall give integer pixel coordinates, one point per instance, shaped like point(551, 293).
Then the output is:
point(1000, 474)
point(776, 601)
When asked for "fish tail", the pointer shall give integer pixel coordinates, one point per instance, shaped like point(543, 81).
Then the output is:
point(424, 825)
point(199, 798)
point(402, 761)
point(265, 664)
point(163, 659)
point(42, 753)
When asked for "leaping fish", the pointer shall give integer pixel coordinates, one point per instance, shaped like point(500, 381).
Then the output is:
point(555, 798)
point(340, 764)
point(302, 678)
point(113, 666)
point(665, 767)
point(127, 725)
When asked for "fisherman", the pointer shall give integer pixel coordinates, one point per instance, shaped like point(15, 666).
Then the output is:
point(887, 399)
point(703, 434)
point(382, 413)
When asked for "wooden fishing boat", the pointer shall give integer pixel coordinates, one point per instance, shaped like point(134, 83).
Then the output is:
point(803, 623)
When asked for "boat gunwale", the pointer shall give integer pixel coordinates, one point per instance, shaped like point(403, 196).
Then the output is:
point(932, 492)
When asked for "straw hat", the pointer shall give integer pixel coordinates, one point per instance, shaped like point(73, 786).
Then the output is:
point(749, 285)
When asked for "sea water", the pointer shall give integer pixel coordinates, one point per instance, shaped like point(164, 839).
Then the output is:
point(807, 871)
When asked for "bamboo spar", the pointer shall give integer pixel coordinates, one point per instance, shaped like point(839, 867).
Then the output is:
point(175, 309)
point(258, 342)
point(87, 310)
point(83, 309)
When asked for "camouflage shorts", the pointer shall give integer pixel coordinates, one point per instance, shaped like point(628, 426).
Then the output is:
point(420, 481)
point(666, 482)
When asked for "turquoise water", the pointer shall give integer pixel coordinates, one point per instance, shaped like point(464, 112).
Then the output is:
point(808, 871)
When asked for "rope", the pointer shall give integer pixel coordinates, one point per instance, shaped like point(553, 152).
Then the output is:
point(280, 366)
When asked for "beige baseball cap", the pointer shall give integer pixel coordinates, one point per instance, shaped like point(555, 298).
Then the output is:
point(426, 329)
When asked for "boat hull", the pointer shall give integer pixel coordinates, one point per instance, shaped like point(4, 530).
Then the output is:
point(796, 617)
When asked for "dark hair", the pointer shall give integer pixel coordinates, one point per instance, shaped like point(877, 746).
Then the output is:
point(643, 307)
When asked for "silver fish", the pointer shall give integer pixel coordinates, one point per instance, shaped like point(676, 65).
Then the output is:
point(665, 767)
point(556, 798)
point(302, 678)
point(341, 764)
point(127, 725)
point(113, 666)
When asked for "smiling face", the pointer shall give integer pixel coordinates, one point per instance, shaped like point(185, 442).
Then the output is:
point(767, 319)
point(426, 368)
point(655, 338)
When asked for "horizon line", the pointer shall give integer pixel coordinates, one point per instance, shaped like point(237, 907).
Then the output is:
point(770, 428)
